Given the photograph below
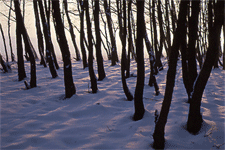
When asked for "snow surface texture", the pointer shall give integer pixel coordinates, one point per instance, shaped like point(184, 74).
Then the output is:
point(40, 118)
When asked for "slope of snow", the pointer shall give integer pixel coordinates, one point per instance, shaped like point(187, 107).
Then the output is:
point(40, 118)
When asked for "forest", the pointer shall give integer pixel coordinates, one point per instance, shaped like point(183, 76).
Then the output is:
point(86, 60)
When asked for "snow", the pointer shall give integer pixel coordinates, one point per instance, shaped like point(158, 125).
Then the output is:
point(40, 118)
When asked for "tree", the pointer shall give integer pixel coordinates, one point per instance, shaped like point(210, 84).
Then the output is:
point(48, 41)
point(3, 38)
point(124, 59)
point(112, 37)
point(84, 57)
point(194, 117)
point(90, 49)
point(28, 46)
point(68, 78)
point(39, 34)
point(158, 134)
point(71, 31)
point(138, 96)
point(20, 60)
point(101, 71)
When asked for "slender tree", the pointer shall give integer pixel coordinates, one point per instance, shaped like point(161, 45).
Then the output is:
point(48, 41)
point(9, 35)
point(194, 117)
point(3, 38)
point(20, 59)
point(101, 71)
point(123, 59)
point(68, 78)
point(112, 37)
point(39, 34)
point(90, 49)
point(83, 51)
point(73, 37)
point(138, 96)
point(28, 46)
point(159, 131)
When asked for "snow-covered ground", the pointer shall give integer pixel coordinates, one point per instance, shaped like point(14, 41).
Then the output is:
point(40, 118)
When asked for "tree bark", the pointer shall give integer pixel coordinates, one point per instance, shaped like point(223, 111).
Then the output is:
point(59, 27)
point(194, 117)
point(159, 131)
point(123, 59)
point(138, 96)
point(90, 49)
point(39, 34)
point(71, 31)
point(113, 40)
point(33, 82)
point(101, 71)
point(48, 41)
point(83, 51)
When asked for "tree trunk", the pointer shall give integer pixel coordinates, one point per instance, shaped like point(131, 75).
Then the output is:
point(83, 51)
point(194, 117)
point(90, 49)
point(68, 78)
point(3, 37)
point(9, 35)
point(193, 33)
point(33, 82)
point(101, 71)
point(20, 60)
point(123, 59)
point(152, 79)
point(71, 31)
point(48, 41)
point(39, 34)
point(159, 132)
point(113, 40)
point(138, 96)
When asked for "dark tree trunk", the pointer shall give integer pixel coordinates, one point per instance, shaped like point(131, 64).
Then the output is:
point(3, 38)
point(159, 132)
point(33, 82)
point(168, 37)
point(113, 40)
point(123, 59)
point(130, 41)
point(90, 49)
point(4, 65)
point(194, 117)
point(39, 34)
point(162, 37)
point(9, 35)
point(101, 71)
point(152, 79)
point(48, 41)
point(83, 51)
point(138, 96)
point(20, 60)
point(119, 16)
point(193, 33)
point(68, 78)
point(223, 47)
point(71, 31)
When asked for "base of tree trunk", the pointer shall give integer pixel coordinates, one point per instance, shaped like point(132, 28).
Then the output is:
point(159, 140)
point(139, 115)
point(194, 123)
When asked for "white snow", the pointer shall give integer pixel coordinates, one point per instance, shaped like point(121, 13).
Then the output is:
point(40, 118)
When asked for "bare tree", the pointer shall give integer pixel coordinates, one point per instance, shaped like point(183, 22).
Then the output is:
point(158, 134)
point(138, 96)
point(59, 27)
point(194, 117)
point(90, 49)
